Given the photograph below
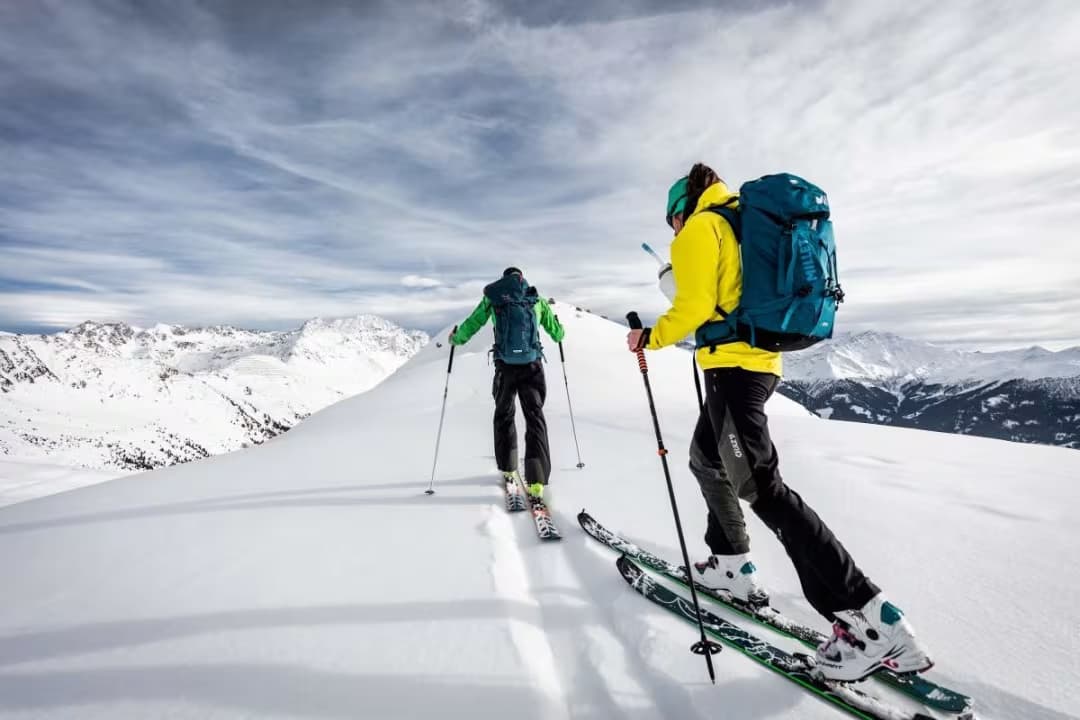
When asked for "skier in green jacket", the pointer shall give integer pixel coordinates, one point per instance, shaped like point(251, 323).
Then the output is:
point(517, 312)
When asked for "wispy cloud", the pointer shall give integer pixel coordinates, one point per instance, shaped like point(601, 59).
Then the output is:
point(260, 163)
point(416, 281)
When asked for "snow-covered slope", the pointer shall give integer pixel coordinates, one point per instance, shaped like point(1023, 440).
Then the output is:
point(312, 577)
point(25, 479)
point(1030, 395)
point(115, 397)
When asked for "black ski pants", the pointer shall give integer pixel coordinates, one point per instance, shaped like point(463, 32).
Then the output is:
point(732, 457)
point(527, 383)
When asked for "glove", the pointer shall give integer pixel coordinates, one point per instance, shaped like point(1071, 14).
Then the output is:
point(638, 339)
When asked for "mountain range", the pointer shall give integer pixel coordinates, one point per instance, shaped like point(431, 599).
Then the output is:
point(114, 396)
point(1029, 395)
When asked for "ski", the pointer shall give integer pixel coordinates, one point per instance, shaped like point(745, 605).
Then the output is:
point(916, 687)
point(515, 498)
point(545, 526)
point(797, 668)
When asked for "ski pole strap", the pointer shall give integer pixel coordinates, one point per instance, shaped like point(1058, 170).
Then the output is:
point(450, 366)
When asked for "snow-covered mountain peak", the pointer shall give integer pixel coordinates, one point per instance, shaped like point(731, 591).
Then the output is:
point(101, 338)
point(378, 338)
point(352, 323)
point(889, 358)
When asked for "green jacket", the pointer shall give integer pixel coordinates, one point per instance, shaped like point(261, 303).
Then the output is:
point(483, 312)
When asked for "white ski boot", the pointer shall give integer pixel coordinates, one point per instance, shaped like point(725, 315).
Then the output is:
point(734, 574)
point(866, 640)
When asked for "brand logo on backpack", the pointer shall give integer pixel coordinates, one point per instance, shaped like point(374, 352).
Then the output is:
point(517, 337)
point(790, 284)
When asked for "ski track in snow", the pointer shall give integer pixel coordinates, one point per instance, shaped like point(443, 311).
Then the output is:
point(508, 570)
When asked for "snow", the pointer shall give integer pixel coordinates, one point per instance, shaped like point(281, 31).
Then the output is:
point(24, 480)
point(860, 410)
point(312, 577)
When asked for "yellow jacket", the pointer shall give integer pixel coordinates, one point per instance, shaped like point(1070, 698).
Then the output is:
point(707, 268)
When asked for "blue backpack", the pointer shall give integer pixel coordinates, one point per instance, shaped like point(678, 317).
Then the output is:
point(790, 284)
point(517, 337)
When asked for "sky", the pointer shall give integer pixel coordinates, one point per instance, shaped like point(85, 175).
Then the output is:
point(262, 163)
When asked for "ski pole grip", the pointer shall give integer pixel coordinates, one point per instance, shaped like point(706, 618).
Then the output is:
point(450, 366)
point(635, 324)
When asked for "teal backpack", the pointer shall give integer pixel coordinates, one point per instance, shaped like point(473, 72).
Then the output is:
point(790, 284)
point(517, 336)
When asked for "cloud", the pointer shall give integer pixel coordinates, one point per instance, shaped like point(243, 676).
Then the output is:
point(257, 168)
point(416, 281)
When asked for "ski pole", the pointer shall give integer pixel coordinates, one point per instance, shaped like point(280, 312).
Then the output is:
point(705, 646)
point(573, 428)
point(697, 380)
point(442, 414)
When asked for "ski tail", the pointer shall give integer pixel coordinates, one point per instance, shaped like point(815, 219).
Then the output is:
point(541, 514)
point(514, 497)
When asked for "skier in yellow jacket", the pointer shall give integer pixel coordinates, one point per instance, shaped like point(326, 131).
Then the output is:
point(732, 455)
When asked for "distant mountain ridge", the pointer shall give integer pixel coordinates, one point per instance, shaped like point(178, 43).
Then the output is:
point(1028, 395)
point(110, 395)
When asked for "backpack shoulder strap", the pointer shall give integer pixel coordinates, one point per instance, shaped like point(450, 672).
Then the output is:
point(731, 214)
